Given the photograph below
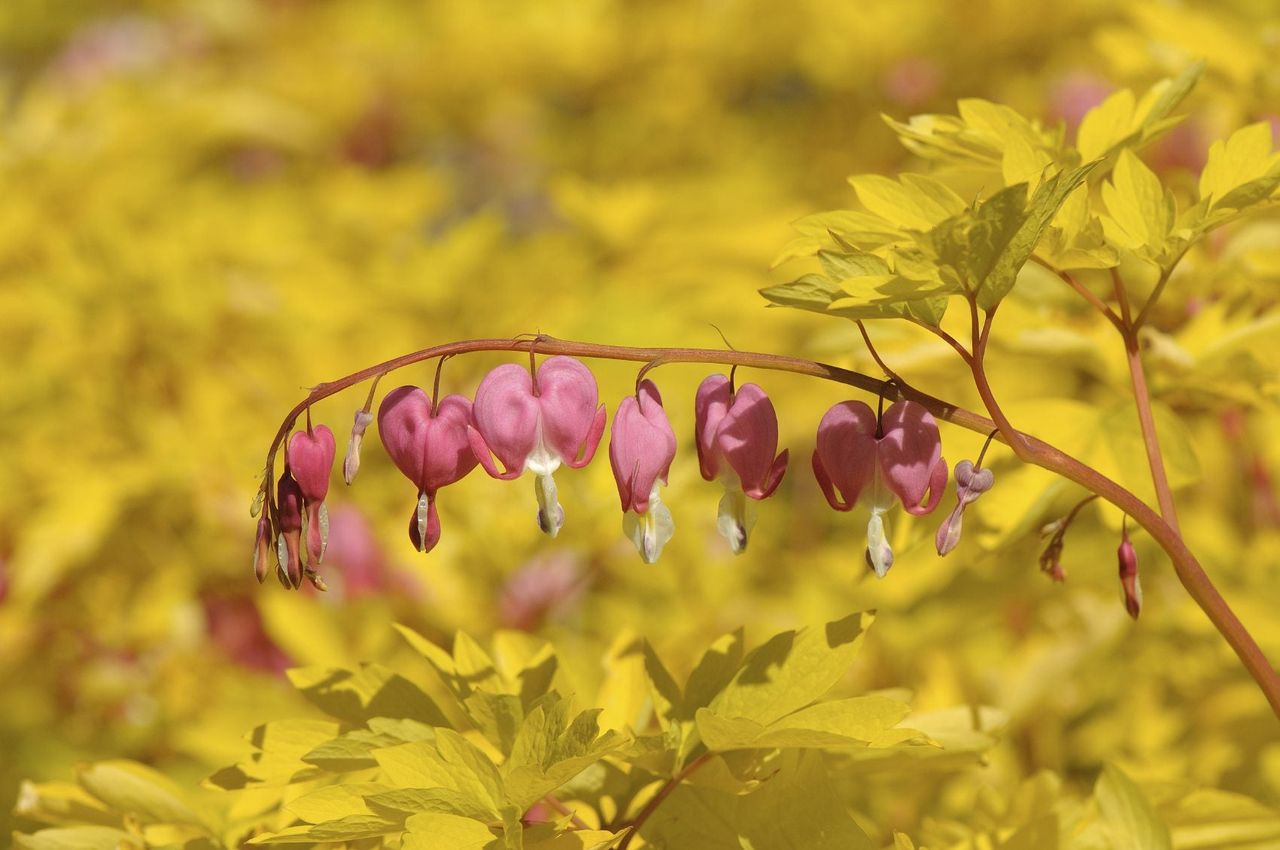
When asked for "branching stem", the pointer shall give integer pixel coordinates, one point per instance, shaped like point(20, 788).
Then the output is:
point(1027, 448)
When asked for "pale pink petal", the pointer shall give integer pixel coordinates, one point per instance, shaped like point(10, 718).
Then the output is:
point(568, 399)
point(747, 439)
point(910, 454)
point(403, 421)
point(448, 456)
point(709, 407)
point(846, 452)
point(506, 415)
point(641, 447)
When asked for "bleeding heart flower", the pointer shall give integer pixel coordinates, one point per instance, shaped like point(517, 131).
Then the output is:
point(898, 458)
point(289, 541)
point(262, 547)
point(429, 444)
point(310, 457)
point(970, 484)
point(737, 435)
point(1130, 585)
point(641, 448)
point(536, 425)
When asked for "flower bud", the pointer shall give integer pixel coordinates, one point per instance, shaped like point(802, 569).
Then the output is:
point(262, 547)
point(351, 463)
point(1130, 585)
point(289, 541)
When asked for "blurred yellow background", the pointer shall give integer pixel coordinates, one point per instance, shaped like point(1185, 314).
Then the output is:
point(208, 206)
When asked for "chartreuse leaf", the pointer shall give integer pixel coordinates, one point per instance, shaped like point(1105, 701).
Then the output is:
point(1211, 819)
point(913, 202)
point(857, 722)
point(63, 802)
point(334, 801)
point(796, 808)
point(280, 748)
point(791, 670)
point(1127, 815)
point(399, 802)
point(348, 828)
point(1140, 211)
point(544, 837)
point(549, 751)
point(434, 831)
point(1242, 170)
point(1121, 121)
point(78, 838)
point(138, 792)
point(369, 691)
point(451, 761)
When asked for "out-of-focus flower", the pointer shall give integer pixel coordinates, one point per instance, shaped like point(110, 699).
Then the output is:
point(970, 484)
point(428, 443)
point(1130, 585)
point(898, 458)
point(289, 541)
point(737, 435)
point(539, 590)
point(310, 456)
point(912, 81)
point(642, 445)
point(356, 553)
point(1073, 94)
point(537, 424)
point(235, 626)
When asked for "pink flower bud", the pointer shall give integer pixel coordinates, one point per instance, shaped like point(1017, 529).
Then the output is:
point(1129, 582)
point(310, 457)
point(537, 426)
point(289, 541)
point(430, 447)
point(737, 435)
point(901, 456)
point(970, 484)
point(262, 547)
point(641, 448)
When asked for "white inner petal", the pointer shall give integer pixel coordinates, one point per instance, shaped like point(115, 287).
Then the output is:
point(550, 514)
point(650, 530)
point(542, 460)
point(736, 517)
point(878, 550)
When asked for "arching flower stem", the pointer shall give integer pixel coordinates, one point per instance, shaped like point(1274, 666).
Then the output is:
point(1028, 448)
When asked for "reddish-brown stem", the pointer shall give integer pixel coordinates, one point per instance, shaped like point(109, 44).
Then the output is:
point(1027, 448)
point(875, 355)
point(1083, 291)
point(663, 792)
point(964, 353)
point(1142, 398)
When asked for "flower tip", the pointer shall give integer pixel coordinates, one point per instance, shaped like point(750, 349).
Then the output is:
point(948, 536)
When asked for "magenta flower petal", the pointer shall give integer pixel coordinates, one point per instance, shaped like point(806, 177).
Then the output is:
point(310, 457)
point(747, 439)
point(910, 455)
point(432, 527)
point(845, 456)
point(431, 451)
point(506, 415)
point(289, 518)
point(709, 407)
point(641, 447)
point(572, 424)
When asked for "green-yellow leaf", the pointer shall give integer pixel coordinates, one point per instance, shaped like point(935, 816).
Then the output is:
point(915, 202)
point(1244, 158)
point(138, 791)
point(77, 838)
point(1127, 815)
point(1140, 210)
point(435, 831)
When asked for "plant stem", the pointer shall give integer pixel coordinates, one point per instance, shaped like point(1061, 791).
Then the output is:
point(663, 792)
point(1082, 291)
point(1025, 446)
point(1142, 398)
point(553, 802)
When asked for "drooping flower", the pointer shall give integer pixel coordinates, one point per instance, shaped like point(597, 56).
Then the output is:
point(310, 456)
point(536, 424)
point(970, 485)
point(737, 435)
point(428, 443)
point(641, 448)
point(1130, 585)
point(262, 547)
point(898, 458)
point(289, 540)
